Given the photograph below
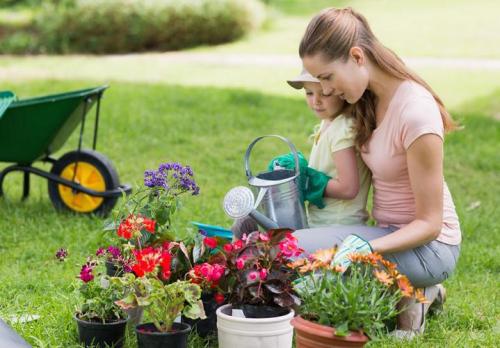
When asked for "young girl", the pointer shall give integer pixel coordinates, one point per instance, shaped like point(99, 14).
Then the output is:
point(334, 154)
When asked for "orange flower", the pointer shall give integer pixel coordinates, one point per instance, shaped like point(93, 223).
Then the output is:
point(405, 286)
point(337, 268)
point(324, 256)
point(383, 277)
point(357, 258)
point(419, 295)
point(297, 263)
point(374, 258)
point(387, 264)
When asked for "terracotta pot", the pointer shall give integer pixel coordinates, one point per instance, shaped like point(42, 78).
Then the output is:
point(313, 335)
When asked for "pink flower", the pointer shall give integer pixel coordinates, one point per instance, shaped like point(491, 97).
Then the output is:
point(289, 246)
point(263, 273)
point(217, 272)
point(253, 276)
point(264, 237)
point(238, 245)
point(240, 263)
point(228, 247)
point(206, 270)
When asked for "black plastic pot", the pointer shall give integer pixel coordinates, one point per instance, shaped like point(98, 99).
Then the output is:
point(208, 326)
point(113, 270)
point(149, 337)
point(256, 311)
point(97, 334)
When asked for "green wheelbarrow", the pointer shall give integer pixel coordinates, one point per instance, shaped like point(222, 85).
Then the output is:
point(83, 180)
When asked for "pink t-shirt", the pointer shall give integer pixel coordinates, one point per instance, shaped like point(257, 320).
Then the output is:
point(412, 113)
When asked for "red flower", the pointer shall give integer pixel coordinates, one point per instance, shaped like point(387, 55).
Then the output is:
point(125, 229)
point(210, 242)
point(166, 263)
point(146, 261)
point(219, 298)
point(228, 247)
point(134, 224)
point(149, 225)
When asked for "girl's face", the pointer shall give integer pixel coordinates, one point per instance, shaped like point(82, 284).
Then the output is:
point(325, 106)
point(346, 80)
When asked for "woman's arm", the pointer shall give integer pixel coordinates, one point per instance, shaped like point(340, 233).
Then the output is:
point(346, 184)
point(425, 168)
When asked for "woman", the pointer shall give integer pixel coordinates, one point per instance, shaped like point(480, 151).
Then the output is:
point(399, 124)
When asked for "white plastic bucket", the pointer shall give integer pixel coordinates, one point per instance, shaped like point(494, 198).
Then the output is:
point(235, 332)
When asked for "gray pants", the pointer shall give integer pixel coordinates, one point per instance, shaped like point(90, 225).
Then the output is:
point(425, 265)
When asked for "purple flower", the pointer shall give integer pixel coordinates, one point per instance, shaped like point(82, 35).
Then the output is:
point(99, 252)
point(173, 177)
point(61, 254)
point(86, 273)
point(114, 252)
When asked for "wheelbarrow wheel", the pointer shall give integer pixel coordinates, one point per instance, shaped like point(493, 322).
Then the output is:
point(93, 171)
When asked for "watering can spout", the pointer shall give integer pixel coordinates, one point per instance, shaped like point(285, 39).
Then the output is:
point(239, 202)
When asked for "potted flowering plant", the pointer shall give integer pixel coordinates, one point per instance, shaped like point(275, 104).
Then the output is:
point(144, 220)
point(149, 286)
point(145, 217)
point(346, 308)
point(100, 320)
point(207, 269)
point(258, 284)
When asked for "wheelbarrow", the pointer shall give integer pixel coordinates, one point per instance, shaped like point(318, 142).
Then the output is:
point(31, 130)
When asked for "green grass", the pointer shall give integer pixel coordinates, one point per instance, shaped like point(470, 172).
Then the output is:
point(205, 115)
point(146, 124)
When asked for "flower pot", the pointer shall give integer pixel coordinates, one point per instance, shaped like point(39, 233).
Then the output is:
point(149, 337)
point(97, 334)
point(113, 270)
point(253, 332)
point(205, 327)
point(312, 335)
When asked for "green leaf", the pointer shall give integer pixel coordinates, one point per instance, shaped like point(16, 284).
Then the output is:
point(342, 329)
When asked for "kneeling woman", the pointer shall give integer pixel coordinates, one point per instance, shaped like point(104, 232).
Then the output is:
point(400, 124)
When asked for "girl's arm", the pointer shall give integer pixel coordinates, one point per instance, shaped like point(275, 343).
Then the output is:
point(425, 168)
point(346, 184)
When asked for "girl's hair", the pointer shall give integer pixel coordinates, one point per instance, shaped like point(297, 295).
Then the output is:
point(333, 32)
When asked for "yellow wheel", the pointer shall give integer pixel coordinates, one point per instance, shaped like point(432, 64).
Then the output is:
point(93, 171)
point(88, 176)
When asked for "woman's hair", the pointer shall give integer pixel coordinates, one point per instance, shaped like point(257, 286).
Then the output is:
point(333, 32)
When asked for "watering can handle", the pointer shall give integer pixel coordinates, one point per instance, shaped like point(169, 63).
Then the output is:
point(250, 147)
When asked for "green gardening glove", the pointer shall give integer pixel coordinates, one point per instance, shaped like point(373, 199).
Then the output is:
point(315, 187)
point(351, 244)
point(312, 183)
point(287, 161)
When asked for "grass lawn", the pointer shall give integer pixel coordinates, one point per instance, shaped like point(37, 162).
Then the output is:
point(144, 125)
point(206, 113)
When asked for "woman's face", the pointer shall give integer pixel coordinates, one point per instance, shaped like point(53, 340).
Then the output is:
point(325, 106)
point(346, 80)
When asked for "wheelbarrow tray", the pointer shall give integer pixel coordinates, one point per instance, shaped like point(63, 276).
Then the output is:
point(31, 129)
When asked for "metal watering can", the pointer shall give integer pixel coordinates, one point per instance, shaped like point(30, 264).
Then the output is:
point(278, 203)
